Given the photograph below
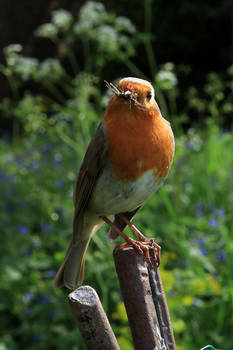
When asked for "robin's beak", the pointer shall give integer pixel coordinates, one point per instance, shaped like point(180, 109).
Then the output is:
point(129, 96)
point(126, 95)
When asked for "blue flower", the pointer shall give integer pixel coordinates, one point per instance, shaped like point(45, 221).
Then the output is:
point(60, 184)
point(221, 213)
point(200, 209)
point(181, 160)
point(196, 302)
point(45, 300)
point(201, 241)
point(23, 230)
point(5, 178)
point(27, 252)
point(36, 337)
point(51, 273)
point(26, 312)
point(52, 314)
point(199, 212)
point(203, 251)
point(45, 226)
point(222, 256)
point(213, 222)
point(5, 223)
point(29, 296)
point(48, 147)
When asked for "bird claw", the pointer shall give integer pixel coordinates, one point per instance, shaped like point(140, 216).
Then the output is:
point(149, 249)
point(144, 246)
point(151, 252)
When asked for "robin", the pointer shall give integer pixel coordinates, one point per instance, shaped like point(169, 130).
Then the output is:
point(126, 162)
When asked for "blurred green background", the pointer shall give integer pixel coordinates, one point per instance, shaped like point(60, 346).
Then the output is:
point(49, 110)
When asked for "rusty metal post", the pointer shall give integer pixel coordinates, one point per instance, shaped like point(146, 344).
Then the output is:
point(92, 320)
point(144, 300)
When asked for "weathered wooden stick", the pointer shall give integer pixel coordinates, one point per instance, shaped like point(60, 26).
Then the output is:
point(161, 308)
point(144, 300)
point(92, 320)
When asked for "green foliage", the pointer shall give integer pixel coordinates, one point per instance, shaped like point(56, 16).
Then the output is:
point(190, 216)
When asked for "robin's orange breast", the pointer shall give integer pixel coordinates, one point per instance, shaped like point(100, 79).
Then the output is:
point(138, 142)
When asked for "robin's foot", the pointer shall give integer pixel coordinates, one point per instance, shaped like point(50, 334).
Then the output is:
point(142, 238)
point(142, 247)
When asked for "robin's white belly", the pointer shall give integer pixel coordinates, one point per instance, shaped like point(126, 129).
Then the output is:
point(111, 196)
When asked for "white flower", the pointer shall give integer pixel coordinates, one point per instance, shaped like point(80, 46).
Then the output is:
point(62, 19)
point(47, 30)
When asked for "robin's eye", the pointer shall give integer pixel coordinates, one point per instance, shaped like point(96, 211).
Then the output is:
point(149, 95)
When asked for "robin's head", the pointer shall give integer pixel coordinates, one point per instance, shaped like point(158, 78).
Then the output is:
point(133, 91)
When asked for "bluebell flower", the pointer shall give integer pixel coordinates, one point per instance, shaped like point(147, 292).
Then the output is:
point(221, 213)
point(222, 256)
point(196, 302)
point(181, 160)
point(29, 296)
point(199, 212)
point(45, 226)
point(27, 252)
point(51, 273)
point(21, 165)
point(52, 314)
point(213, 222)
point(200, 209)
point(1, 175)
point(48, 147)
point(201, 241)
point(5, 178)
point(45, 300)
point(26, 311)
point(185, 183)
point(5, 223)
point(203, 251)
point(23, 230)
point(60, 184)
point(36, 337)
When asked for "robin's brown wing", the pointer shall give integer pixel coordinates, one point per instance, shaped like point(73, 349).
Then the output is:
point(93, 162)
point(112, 234)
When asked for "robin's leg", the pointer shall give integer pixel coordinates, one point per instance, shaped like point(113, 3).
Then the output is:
point(138, 245)
point(142, 237)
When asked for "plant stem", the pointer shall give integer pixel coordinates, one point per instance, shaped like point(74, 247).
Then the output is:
point(147, 40)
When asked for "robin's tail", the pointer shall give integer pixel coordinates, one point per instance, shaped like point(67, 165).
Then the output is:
point(71, 271)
